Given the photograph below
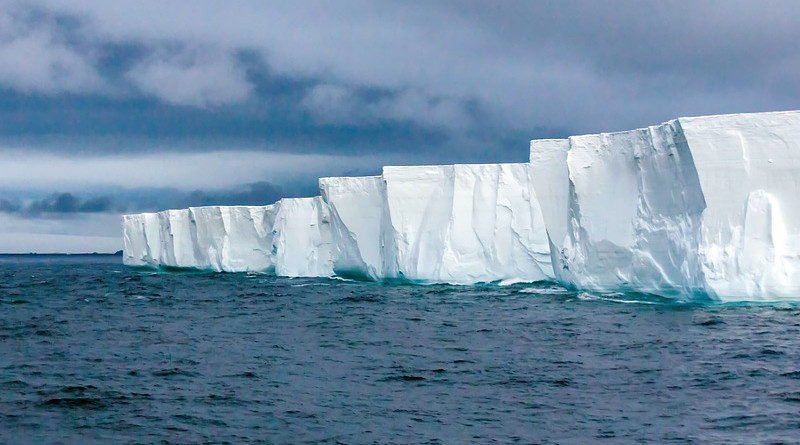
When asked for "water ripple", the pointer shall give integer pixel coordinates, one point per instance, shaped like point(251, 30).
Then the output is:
point(95, 353)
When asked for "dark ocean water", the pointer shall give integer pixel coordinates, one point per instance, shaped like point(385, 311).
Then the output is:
point(93, 352)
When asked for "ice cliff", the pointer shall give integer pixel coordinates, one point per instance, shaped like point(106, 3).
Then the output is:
point(435, 224)
point(694, 207)
point(463, 224)
point(234, 239)
point(301, 238)
point(700, 207)
point(356, 207)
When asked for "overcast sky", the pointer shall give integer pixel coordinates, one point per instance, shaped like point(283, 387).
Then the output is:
point(119, 106)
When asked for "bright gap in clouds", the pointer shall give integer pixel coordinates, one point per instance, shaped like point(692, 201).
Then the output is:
point(43, 173)
point(55, 243)
point(186, 171)
point(80, 233)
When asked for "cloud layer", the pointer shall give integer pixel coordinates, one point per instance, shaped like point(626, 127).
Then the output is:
point(517, 66)
point(167, 103)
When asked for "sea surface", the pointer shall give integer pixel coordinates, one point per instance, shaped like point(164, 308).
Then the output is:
point(94, 352)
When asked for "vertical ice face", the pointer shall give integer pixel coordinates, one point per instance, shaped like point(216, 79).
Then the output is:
point(234, 238)
point(463, 224)
point(622, 210)
point(231, 239)
point(302, 238)
point(549, 183)
point(211, 232)
point(356, 222)
point(749, 170)
point(418, 206)
point(496, 231)
point(179, 239)
point(669, 217)
point(695, 206)
point(137, 250)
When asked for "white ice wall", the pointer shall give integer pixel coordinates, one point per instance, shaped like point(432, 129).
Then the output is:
point(356, 216)
point(178, 239)
point(463, 224)
point(235, 238)
point(231, 239)
point(622, 210)
point(437, 224)
point(692, 207)
point(141, 243)
point(749, 170)
point(302, 238)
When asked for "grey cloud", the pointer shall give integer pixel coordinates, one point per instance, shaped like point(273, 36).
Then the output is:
point(199, 77)
point(57, 204)
point(531, 63)
point(258, 193)
point(528, 67)
point(180, 170)
point(10, 206)
point(157, 199)
point(67, 204)
point(336, 104)
point(36, 59)
point(96, 204)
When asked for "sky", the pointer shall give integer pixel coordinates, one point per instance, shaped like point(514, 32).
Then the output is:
point(127, 106)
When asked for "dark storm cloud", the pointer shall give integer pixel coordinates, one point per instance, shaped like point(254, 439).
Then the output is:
point(461, 77)
point(97, 204)
point(259, 193)
point(58, 204)
point(66, 204)
point(10, 206)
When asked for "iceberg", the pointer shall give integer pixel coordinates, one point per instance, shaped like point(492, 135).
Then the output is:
point(622, 211)
point(694, 208)
point(749, 172)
